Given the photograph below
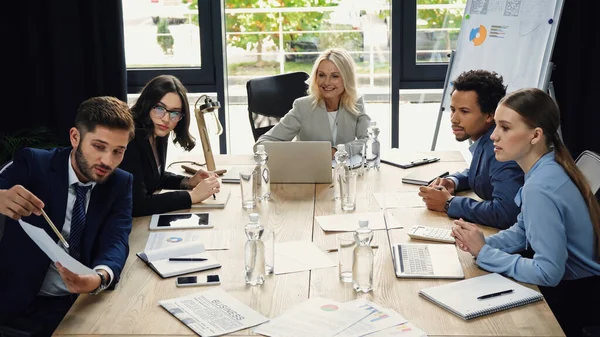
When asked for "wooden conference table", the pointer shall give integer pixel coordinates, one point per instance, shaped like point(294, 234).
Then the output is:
point(132, 309)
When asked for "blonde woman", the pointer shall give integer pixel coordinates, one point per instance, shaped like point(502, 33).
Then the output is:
point(332, 111)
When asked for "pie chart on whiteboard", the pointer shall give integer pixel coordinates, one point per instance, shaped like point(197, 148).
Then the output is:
point(478, 35)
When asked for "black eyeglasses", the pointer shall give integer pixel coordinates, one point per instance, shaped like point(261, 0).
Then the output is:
point(160, 112)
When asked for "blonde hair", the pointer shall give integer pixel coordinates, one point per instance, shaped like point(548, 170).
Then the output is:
point(538, 109)
point(344, 62)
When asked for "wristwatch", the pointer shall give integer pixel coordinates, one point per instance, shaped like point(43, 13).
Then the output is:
point(103, 284)
point(447, 204)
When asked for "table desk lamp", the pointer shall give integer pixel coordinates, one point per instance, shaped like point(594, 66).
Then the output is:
point(209, 106)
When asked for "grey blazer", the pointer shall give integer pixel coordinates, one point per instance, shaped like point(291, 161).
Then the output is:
point(306, 123)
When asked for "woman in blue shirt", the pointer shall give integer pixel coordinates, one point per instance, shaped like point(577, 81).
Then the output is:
point(559, 219)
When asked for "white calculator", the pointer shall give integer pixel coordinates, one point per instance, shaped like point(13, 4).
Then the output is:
point(431, 234)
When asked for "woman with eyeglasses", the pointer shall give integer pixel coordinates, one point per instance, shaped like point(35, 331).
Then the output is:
point(163, 108)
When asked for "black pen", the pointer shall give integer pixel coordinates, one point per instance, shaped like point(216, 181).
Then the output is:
point(483, 297)
point(187, 259)
point(214, 197)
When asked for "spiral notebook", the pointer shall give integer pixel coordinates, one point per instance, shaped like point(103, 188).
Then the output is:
point(479, 296)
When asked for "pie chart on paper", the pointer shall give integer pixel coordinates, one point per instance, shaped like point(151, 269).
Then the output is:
point(478, 35)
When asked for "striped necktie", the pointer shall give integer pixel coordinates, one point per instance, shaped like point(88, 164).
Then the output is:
point(77, 220)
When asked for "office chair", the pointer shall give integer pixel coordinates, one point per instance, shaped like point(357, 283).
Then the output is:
point(271, 97)
point(589, 164)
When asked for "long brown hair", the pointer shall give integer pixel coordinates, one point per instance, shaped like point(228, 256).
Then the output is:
point(538, 109)
point(151, 94)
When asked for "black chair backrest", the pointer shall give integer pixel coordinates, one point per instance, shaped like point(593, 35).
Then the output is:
point(271, 97)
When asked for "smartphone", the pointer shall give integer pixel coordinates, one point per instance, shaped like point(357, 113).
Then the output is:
point(191, 281)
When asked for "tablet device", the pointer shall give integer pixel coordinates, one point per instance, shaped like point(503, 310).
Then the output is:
point(180, 220)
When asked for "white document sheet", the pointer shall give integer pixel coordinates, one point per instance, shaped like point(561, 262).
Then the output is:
point(212, 240)
point(349, 222)
point(213, 313)
point(378, 319)
point(403, 330)
point(315, 317)
point(53, 250)
point(399, 199)
point(295, 256)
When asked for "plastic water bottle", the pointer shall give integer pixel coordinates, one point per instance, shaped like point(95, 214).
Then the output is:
point(373, 147)
point(255, 251)
point(362, 266)
point(341, 158)
point(263, 174)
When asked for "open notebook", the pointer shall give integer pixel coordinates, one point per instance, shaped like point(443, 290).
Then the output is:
point(479, 296)
point(158, 259)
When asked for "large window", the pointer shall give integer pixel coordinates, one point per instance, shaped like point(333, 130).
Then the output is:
point(170, 36)
point(400, 49)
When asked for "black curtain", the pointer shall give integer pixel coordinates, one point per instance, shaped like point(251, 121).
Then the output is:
point(68, 51)
point(576, 77)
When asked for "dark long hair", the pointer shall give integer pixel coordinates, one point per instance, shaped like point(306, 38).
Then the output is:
point(152, 93)
point(538, 109)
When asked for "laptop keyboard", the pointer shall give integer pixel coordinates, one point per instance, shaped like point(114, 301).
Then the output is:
point(415, 260)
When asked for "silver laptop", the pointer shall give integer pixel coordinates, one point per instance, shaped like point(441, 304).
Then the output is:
point(427, 261)
point(299, 162)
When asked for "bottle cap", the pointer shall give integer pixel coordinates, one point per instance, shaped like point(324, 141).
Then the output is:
point(341, 147)
point(363, 223)
point(260, 147)
point(253, 217)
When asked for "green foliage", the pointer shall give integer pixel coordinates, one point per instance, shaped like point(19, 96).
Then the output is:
point(268, 22)
point(41, 138)
point(441, 18)
point(164, 38)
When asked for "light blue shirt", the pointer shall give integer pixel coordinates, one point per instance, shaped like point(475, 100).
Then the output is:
point(555, 221)
point(53, 284)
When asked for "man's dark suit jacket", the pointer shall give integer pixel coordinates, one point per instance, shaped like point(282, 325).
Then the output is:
point(497, 183)
point(105, 240)
point(147, 178)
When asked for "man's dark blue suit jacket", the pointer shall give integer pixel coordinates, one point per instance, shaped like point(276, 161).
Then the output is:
point(105, 240)
point(497, 183)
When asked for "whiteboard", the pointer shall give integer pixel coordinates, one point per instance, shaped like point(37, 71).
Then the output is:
point(514, 38)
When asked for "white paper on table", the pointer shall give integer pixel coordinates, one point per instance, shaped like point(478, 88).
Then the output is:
point(349, 222)
point(399, 199)
point(213, 312)
point(408, 217)
point(295, 256)
point(404, 330)
point(315, 317)
point(53, 250)
point(378, 319)
point(212, 240)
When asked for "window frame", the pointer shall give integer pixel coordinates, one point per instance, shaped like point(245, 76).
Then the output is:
point(195, 79)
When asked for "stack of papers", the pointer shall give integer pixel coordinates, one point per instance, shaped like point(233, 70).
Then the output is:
point(213, 313)
point(326, 318)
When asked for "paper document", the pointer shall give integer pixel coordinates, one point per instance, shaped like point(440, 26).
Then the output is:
point(53, 250)
point(378, 319)
point(403, 330)
point(408, 217)
point(213, 313)
point(315, 317)
point(212, 240)
point(349, 222)
point(399, 199)
point(295, 256)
